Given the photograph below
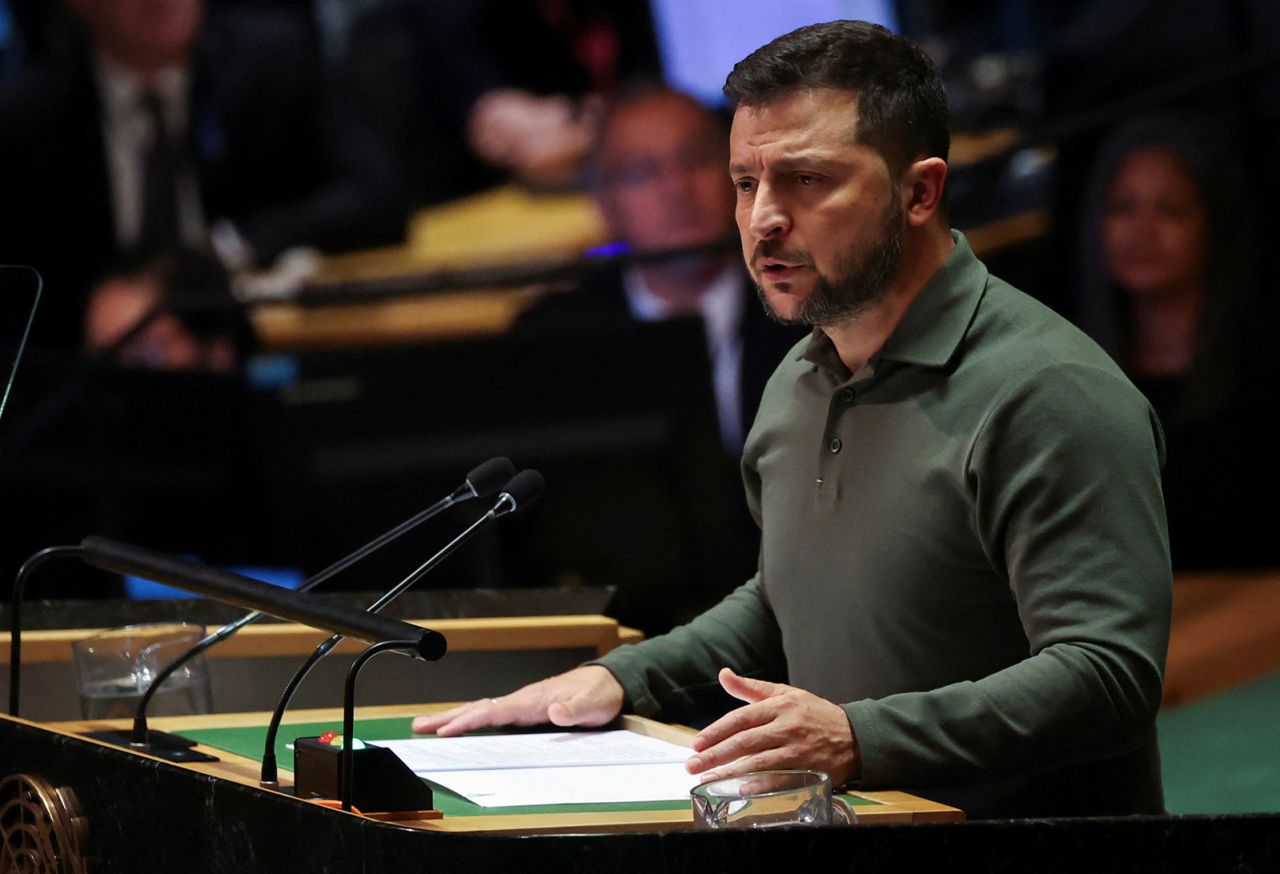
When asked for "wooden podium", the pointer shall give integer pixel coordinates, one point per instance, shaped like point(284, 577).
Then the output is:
point(95, 808)
point(121, 810)
point(112, 810)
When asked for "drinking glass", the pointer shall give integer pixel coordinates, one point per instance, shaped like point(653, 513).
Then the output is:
point(769, 799)
point(115, 667)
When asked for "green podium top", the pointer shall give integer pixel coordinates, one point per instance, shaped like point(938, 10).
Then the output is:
point(248, 741)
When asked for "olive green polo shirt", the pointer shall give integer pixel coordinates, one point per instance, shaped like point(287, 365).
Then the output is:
point(964, 544)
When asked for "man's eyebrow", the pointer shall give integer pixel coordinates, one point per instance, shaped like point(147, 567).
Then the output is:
point(803, 160)
point(816, 158)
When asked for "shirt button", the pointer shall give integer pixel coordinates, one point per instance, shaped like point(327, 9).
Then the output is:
point(836, 445)
point(846, 395)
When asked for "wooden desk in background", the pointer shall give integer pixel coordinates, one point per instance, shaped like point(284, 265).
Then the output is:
point(598, 633)
point(504, 226)
point(1226, 632)
point(486, 657)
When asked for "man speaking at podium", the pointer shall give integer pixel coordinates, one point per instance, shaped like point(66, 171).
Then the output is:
point(964, 584)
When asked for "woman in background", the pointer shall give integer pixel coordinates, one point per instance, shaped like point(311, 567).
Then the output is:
point(1167, 284)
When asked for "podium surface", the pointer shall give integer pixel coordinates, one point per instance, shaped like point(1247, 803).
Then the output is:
point(140, 814)
point(237, 739)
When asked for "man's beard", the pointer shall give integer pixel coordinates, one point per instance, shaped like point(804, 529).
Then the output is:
point(860, 280)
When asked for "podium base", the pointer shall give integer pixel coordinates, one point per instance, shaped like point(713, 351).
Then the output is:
point(161, 744)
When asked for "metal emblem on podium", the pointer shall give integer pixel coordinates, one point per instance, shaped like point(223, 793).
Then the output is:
point(41, 828)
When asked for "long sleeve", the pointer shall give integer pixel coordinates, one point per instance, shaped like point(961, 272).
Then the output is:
point(675, 674)
point(1064, 477)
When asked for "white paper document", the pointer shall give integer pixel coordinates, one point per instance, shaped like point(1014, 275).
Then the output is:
point(502, 770)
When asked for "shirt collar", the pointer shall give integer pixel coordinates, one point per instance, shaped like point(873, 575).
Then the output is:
point(720, 304)
point(932, 327)
point(122, 89)
point(937, 320)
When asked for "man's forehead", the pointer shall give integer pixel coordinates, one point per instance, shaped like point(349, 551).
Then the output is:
point(800, 127)
point(828, 109)
point(657, 124)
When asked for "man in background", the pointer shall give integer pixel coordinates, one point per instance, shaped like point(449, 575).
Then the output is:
point(681, 539)
point(159, 128)
point(659, 183)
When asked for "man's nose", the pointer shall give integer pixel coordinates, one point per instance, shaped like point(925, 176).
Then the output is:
point(768, 218)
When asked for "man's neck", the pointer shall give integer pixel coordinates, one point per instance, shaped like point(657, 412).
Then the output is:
point(165, 79)
point(146, 70)
point(680, 283)
point(924, 252)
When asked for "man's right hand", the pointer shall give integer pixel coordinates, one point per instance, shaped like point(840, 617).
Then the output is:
point(588, 696)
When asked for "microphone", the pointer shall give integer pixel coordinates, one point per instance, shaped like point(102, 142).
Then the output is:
point(483, 480)
point(522, 491)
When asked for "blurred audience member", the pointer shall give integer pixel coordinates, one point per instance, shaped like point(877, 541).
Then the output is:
point(172, 314)
point(661, 182)
point(165, 128)
point(660, 179)
point(1168, 285)
point(475, 92)
point(1105, 62)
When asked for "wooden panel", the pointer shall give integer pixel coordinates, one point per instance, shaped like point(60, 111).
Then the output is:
point(464, 635)
point(1226, 631)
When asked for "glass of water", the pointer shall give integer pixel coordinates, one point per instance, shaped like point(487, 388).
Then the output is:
point(769, 799)
point(114, 669)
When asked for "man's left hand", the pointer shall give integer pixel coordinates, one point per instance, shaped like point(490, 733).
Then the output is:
point(780, 726)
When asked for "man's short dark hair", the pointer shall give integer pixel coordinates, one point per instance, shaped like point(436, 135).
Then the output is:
point(902, 107)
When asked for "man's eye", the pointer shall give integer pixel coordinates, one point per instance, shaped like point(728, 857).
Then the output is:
point(806, 179)
point(745, 186)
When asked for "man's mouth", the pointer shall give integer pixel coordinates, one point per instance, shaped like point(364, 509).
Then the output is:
point(770, 261)
point(778, 270)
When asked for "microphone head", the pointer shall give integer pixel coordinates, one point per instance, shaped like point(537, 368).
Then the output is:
point(485, 479)
point(523, 489)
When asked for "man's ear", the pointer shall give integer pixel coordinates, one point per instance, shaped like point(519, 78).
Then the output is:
point(921, 184)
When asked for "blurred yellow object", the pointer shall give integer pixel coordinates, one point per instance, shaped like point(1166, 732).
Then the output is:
point(508, 225)
point(442, 316)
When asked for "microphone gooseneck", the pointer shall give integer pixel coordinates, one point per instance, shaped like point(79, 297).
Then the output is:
point(521, 491)
point(15, 615)
point(482, 480)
